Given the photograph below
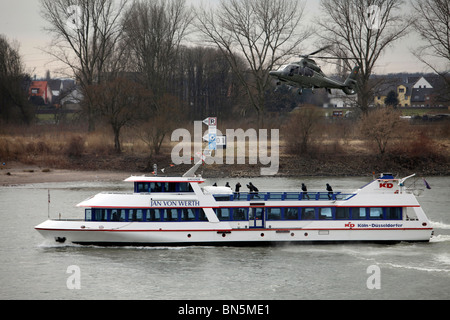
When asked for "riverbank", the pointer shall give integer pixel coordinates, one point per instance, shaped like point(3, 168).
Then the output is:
point(19, 174)
point(119, 167)
point(67, 152)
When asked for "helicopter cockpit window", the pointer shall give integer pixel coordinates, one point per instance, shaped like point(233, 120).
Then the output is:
point(309, 72)
point(282, 67)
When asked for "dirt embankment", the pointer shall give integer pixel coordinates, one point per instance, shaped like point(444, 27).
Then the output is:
point(119, 167)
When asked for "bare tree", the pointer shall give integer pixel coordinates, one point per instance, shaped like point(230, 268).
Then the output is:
point(13, 83)
point(206, 82)
point(265, 32)
point(301, 127)
point(161, 124)
point(154, 32)
point(120, 102)
point(432, 23)
point(380, 125)
point(85, 34)
point(362, 30)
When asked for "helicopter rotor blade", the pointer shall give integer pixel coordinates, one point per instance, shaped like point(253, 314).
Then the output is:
point(315, 52)
point(320, 50)
point(335, 58)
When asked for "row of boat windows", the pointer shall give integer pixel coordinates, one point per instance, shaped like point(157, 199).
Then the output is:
point(243, 214)
point(152, 215)
point(141, 187)
point(325, 213)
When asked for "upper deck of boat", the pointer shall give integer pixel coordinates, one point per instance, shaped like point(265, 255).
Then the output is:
point(283, 196)
point(170, 185)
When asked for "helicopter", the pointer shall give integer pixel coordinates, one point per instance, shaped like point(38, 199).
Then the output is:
point(307, 74)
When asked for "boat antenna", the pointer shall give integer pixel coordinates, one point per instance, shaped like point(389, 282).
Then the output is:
point(48, 204)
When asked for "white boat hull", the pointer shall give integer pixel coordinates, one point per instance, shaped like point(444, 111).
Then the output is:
point(177, 211)
point(145, 234)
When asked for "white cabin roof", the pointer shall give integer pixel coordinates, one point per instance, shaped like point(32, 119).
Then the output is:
point(164, 179)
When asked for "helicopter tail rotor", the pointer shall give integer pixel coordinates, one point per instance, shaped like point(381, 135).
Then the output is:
point(350, 83)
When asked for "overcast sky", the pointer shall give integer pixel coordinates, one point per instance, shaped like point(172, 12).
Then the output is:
point(20, 20)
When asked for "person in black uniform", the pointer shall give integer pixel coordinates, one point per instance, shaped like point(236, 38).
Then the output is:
point(305, 191)
point(237, 189)
point(253, 190)
point(330, 192)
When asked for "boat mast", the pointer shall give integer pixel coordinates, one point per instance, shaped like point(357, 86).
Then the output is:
point(210, 138)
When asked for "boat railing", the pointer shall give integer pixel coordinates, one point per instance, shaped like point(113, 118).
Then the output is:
point(283, 196)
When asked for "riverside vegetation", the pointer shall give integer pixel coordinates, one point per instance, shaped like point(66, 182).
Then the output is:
point(310, 144)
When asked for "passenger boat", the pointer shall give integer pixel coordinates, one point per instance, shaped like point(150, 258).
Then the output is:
point(180, 211)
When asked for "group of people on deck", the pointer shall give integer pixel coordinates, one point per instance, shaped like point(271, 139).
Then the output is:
point(305, 191)
point(254, 190)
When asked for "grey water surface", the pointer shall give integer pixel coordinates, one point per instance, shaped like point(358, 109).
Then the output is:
point(32, 268)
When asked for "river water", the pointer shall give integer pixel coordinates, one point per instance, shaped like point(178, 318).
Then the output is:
point(31, 268)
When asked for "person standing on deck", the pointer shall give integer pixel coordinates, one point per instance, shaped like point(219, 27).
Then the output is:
point(330, 192)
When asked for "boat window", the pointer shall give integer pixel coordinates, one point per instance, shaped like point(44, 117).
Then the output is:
point(358, 213)
point(115, 215)
point(187, 214)
point(122, 215)
point(202, 215)
point(394, 213)
point(171, 215)
point(222, 197)
point(325, 214)
point(170, 187)
point(273, 213)
point(143, 187)
point(156, 187)
point(410, 214)
point(153, 215)
point(291, 213)
point(135, 215)
point(100, 215)
point(342, 213)
point(185, 187)
point(240, 214)
point(140, 215)
point(308, 214)
point(88, 215)
point(223, 214)
point(375, 213)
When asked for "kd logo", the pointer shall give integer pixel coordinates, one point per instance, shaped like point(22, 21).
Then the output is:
point(386, 185)
point(374, 281)
point(74, 280)
point(350, 225)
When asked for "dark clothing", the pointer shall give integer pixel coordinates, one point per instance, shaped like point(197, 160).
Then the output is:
point(305, 191)
point(253, 189)
point(330, 191)
point(237, 188)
